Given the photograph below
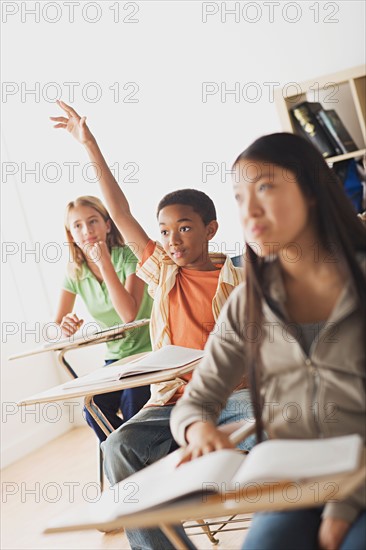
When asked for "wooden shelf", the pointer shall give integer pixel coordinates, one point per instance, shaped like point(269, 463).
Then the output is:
point(354, 154)
point(344, 91)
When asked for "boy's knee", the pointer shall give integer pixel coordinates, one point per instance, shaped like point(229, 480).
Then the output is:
point(124, 453)
point(116, 442)
point(108, 445)
point(120, 442)
point(115, 463)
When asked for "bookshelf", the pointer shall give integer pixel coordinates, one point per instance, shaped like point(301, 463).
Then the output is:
point(344, 91)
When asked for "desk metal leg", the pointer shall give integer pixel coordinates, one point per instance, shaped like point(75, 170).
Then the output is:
point(65, 365)
point(94, 411)
point(100, 467)
point(174, 537)
point(105, 426)
point(206, 529)
point(98, 416)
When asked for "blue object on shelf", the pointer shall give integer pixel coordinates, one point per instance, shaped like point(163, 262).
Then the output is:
point(350, 177)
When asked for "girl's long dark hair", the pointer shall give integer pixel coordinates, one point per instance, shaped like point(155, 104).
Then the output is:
point(338, 228)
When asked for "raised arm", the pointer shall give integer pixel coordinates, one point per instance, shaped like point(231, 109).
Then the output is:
point(114, 197)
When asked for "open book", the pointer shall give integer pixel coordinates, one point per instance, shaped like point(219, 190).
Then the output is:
point(168, 357)
point(218, 472)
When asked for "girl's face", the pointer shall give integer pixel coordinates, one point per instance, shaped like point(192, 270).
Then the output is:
point(87, 226)
point(273, 211)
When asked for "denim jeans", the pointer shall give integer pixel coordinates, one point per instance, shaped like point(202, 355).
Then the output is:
point(298, 529)
point(128, 401)
point(145, 439)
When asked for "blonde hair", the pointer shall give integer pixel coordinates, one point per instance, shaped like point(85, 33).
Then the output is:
point(76, 256)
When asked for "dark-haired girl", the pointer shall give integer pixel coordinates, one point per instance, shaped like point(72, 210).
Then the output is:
point(303, 304)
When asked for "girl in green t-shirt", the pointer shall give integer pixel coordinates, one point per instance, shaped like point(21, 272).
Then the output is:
point(101, 271)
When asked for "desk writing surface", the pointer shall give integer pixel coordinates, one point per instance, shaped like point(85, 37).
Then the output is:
point(256, 498)
point(112, 333)
point(58, 393)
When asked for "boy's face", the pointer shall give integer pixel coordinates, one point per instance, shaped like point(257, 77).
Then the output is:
point(185, 237)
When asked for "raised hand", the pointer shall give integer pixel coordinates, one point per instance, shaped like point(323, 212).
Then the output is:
point(117, 203)
point(73, 123)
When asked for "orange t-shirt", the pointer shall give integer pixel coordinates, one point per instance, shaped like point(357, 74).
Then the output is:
point(191, 317)
point(190, 307)
point(190, 312)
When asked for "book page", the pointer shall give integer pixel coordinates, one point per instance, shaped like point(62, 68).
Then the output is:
point(156, 485)
point(99, 376)
point(165, 358)
point(296, 459)
point(163, 482)
point(211, 473)
point(168, 357)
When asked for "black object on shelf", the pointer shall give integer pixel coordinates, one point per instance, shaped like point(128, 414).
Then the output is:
point(308, 125)
point(324, 128)
point(337, 130)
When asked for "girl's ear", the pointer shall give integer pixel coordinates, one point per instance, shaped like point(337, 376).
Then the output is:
point(211, 229)
point(109, 226)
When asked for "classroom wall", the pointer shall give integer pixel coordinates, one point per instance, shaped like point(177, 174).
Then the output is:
point(154, 79)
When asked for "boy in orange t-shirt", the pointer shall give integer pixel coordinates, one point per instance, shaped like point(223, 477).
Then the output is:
point(189, 286)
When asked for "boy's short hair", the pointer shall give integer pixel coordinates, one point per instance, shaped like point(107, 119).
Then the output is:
point(199, 201)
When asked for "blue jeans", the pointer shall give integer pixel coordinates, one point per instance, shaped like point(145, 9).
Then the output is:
point(298, 529)
point(145, 439)
point(128, 401)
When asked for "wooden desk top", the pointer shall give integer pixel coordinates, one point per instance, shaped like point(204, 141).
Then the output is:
point(59, 393)
point(113, 333)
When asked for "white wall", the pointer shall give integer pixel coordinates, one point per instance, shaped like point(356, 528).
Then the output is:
point(169, 132)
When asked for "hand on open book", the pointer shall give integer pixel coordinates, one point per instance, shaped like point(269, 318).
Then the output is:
point(74, 123)
point(204, 438)
point(332, 532)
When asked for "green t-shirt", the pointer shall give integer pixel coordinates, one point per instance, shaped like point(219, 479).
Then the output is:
point(98, 302)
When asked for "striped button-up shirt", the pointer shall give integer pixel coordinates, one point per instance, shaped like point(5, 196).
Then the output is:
point(159, 272)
